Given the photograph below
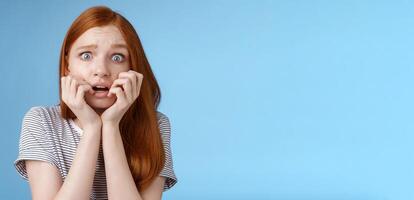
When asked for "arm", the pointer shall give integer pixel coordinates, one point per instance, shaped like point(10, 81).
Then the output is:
point(42, 173)
point(78, 183)
point(119, 179)
point(154, 191)
point(120, 182)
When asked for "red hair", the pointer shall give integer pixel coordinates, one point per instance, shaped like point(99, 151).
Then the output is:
point(139, 126)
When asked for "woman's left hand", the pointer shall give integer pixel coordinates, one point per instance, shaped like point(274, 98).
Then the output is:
point(131, 83)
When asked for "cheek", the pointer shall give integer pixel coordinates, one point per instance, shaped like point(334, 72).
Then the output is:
point(124, 66)
point(76, 66)
point(77, 69)
point(118, 69)
point(76, 73)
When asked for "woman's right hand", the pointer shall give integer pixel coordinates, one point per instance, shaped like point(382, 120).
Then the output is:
point(73, 94)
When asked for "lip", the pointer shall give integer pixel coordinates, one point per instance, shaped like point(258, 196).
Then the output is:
point(101, 94)
point(105, 84)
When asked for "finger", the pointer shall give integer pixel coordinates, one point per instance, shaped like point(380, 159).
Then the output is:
point(90, 89)
point(126, 84)
point(119, 94)
point(138, 77)
point(63, 87)
point(118, 83)
point(81, 91)
point(133, 78)
point(73, 88)
point(67, 88)
point(82, 82)
point(67, 84)
point(139, 83)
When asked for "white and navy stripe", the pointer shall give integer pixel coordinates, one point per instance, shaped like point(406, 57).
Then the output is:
point(46, 136)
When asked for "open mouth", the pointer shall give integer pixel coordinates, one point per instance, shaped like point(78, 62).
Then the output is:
point(100, 89)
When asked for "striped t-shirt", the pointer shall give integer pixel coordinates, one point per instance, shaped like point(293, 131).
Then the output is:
point(46, 136)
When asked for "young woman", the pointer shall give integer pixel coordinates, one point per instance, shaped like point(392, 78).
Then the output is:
point(106, 139)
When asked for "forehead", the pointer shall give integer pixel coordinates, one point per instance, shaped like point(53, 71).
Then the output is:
point(100, 36)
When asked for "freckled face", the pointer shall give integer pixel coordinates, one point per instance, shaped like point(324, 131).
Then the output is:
point(97, 57)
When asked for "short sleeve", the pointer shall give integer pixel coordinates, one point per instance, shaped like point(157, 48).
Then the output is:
point(34, 143)
point(168, 170)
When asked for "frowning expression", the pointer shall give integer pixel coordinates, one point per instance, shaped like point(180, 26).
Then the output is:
point(97, 57)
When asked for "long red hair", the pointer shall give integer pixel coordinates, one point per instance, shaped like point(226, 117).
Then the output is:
point(139, 126)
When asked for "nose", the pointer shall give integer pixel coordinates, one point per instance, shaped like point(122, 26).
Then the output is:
point(100, 69)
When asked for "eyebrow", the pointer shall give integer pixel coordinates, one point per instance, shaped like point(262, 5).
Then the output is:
point(94, 46)
point(119, 46)
point(91, 46)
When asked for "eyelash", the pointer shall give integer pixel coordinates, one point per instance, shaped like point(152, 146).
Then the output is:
point(81, 55)
point(112, 58)
point(118, 54)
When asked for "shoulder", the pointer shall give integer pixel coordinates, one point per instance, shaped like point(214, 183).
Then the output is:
point(43, 112)
point(43, 115)
point(34, 114)
point(161, 117)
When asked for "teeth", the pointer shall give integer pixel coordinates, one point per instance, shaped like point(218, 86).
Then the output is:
point(98, 86)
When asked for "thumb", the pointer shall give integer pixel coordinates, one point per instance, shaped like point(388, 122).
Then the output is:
point(89, 89)
point(81, 91)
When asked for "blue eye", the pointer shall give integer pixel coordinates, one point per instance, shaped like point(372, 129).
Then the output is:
point(86, 56)
point(118, 58)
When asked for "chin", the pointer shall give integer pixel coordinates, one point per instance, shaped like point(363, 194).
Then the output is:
point(100, 103)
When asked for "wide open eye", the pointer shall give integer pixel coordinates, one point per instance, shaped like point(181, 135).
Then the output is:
point(86, 56)
point(117, 58)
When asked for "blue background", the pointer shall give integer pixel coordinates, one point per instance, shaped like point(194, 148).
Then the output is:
point(267, 99)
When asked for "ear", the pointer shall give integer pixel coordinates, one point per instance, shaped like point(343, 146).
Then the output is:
point(67, 72)
point(67, 67)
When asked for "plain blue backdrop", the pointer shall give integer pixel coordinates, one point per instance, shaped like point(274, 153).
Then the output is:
point(286, 100)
